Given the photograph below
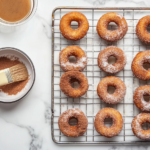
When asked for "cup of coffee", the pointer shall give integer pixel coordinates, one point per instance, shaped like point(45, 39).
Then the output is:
point(14, 14)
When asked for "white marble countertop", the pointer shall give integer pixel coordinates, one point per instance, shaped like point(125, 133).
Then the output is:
point(25, 124)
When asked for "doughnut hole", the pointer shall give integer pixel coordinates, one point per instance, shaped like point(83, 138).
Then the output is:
point(75, 83)
point(72, 59)
point(145, 125)
point(146, 65)
point(112, 26)
point(73, 121)
point(146, 97)
point(148, 28)
point(112, 60)
point(108, 122)
point(111, 89)
point(74, 25)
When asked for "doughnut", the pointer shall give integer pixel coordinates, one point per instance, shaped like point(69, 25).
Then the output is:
point(136, 126)
point(139, 99)
point(116, 126)
point(141, 29)
point(119, 93)
point(74, 34)
point(103, 59)
point(73, 76)
point(73, 131)
point(72, 51)
point(109, 35)
point(137, 65)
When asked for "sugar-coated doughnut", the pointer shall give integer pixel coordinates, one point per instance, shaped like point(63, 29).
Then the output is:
point(119, 93)
point(73, 131)
point(74, 34)
point(116, 126)
point(73, 76)
point(141, 29)
point(72, 51)
point(105, 54)
point(115, 35)
point(137, 65)
point(138, 97)
point(137, 123)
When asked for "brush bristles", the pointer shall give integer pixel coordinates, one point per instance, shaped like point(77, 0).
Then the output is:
point(19, 72)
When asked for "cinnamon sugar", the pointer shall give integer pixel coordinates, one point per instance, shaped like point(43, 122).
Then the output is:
point(13, 88)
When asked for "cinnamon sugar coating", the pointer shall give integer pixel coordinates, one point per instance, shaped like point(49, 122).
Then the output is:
point(105, 54)
point(137, 123)
point(116, 127)
point(109, 35)
point(74, 34)
point(141, 29)
point(138, 97)
point(72, 76)
point(72, 51)
point(137, 65)
point(73, 131)
point(119, 93)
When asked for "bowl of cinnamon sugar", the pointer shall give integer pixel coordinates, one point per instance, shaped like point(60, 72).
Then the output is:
point(15, 91)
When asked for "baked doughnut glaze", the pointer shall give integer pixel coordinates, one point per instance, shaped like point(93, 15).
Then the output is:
point(136, 126)
point(139, 99)
point(72, 51)
point(109, 35)
point(74, 34)
point(119, 93)
point(105, 54)
point(116, 126)
point(73, 76)
point(137, 65)
point(141, 29)
point(73, 131)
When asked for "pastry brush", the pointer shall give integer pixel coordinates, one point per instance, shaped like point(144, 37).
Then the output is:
point(16, 73)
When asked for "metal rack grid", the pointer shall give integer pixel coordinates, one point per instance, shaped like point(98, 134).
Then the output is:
point(90, 103)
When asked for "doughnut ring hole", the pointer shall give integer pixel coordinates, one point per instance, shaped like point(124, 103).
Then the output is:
point(111, 89)
point(112, 60)
point(146, 97)
point(72, 59)
point(146, 65)
point(148, 28)
point(74, 25)
point(145, 126)
point(74, 83)
point(73, 121)
point(108, 122)
point(112, 26)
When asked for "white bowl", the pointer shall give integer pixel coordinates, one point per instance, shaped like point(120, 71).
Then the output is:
point(7, 27)
point(9, 51)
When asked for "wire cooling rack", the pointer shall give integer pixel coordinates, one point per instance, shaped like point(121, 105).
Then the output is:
point(90, 103)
